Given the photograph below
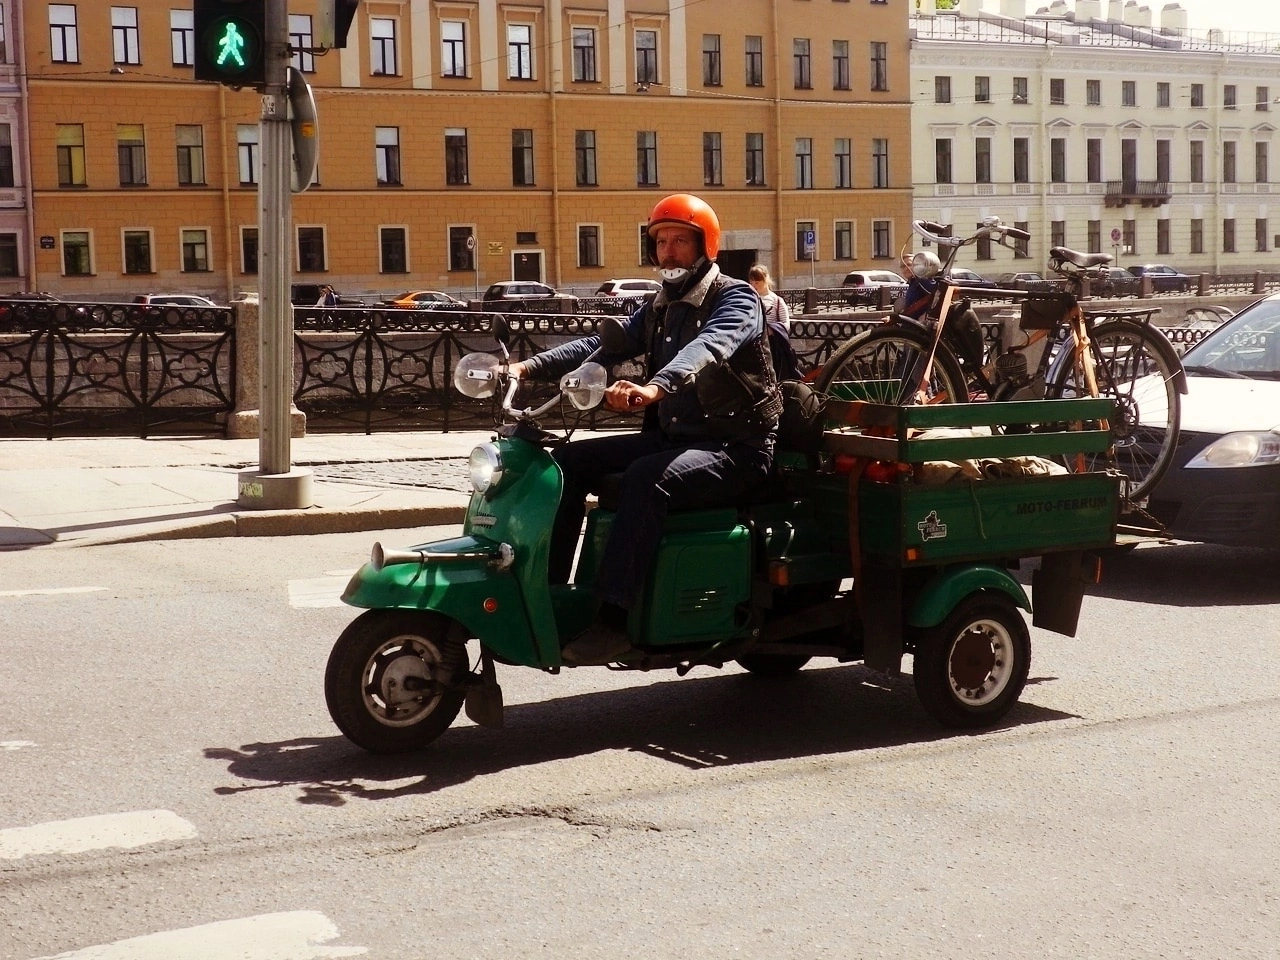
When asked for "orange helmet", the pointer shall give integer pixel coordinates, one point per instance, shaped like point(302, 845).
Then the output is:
point(685, 210)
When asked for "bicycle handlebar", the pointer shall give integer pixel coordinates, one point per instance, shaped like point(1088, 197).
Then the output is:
point(937, 233)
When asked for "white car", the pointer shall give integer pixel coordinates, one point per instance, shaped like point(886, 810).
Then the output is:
point(174, 300)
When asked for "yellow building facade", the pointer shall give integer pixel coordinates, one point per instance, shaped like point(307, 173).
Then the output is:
point(464, 142)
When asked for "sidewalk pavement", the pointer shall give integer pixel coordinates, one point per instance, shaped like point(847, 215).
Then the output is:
point(122, 489)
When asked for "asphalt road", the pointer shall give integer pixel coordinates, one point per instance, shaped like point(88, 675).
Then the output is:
point(171, 691)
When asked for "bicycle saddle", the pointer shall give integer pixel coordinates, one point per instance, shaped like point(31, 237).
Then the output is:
point(1076, 258)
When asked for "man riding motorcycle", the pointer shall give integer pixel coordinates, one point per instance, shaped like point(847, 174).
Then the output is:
point(711, 407)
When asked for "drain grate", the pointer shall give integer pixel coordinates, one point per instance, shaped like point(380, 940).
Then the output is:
point(440, 474)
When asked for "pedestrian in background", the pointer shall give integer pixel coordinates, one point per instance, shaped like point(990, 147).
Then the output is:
point(777, 320)
point(775, 308)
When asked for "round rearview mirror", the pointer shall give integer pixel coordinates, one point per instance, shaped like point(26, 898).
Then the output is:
point(585, 386)
point(500, 329)
point(613, 336)
point(476, 375)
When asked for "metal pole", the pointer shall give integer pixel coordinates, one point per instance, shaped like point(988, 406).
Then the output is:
point(275, 485)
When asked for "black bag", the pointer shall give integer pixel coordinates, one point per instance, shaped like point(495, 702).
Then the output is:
point(801, 424)
point(786, 365)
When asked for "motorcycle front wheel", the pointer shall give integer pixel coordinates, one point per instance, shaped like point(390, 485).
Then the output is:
point(393, 681)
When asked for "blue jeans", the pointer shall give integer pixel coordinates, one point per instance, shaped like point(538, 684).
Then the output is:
point(659, 474)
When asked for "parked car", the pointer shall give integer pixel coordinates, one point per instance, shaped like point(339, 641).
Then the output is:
point(1024, 280)
point(628, 288)
point(29, 297)
point(1224, 483)
point(964, 277)
point(1164, 278)
point(173, 300)
point(521, 295)
point(862, 287)
point(424, 300)
point(1115, 282)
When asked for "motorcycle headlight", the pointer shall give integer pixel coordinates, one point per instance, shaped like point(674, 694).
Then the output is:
point(485, 467)
point(1239, 450)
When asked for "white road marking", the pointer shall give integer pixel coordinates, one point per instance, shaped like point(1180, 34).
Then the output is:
point(319, 592)
point(296, 935)
point(16, 744)
point(49, 591)
point(134, 829)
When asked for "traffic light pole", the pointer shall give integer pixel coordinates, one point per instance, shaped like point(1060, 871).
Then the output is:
point(276, 484)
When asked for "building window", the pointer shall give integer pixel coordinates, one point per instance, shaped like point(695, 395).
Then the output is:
point(382, 48)
point(393, 250)
point(646, 158)
point(1128, 93)
point(522, 158)
point(137, 251)
point(1057, 233)
point(844, 240)
point(1197, 94)
point(247, 152)
point(64, 42)
point(1229, 161)
point(249, 250)
point(1020, 88)
point(1261, 151)
point(1058, 160)
point(1021, 248)
point(71, 155)
point(755, 61)
point(1093, 93)
point(124, 35)
point(1197, 236)
point(453, 48)
point(880, 239)
point(300, 41)
point(1229, 236)
point(755, 160)
point(844, 163)
point(195, 251)
point(1093, 237)
point(1163, 243)
point(879, 65)
point(941, 89)
point(1129, 236)
point(983, 247)
point(1093, 160)
point(190, 139)
point(584, 54)
point(646, 56)
point(1260, 235)
point(519, 51)
point(801, 64)
point(1262, 99)
point(1021, 160)
point(589, 245)
point(311, 256)
point(1057, 91)
point(1162, 94)
point(461, 255)
point(131, 154)
point(584, 149)
point(982, 159)
point(712, 160)
point(182, 37)
point(880, 163)
point(386, 158)
point(840, 65)
point(6, 155)
point(982, 89)
point(1197, 161)
point(942, 160)
point(805, 228)
point(457, 170)
point(9, 255)
point(1162, 160)
point(644, 246)
point(711, 59)
point(1229, 96)
point(804, 163)
point(77, 259)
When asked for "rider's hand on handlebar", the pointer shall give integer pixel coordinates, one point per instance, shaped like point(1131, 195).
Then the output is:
point(625, 395)
point(515, 370)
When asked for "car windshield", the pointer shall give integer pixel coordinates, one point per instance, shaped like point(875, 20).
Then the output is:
point(1248, 344)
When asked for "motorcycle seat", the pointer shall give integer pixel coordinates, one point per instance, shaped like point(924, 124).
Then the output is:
point(772, 487)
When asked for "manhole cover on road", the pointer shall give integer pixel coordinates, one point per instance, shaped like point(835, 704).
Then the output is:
point(446, 474)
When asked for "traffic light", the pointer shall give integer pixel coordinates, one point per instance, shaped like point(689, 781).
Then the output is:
point(230, 41)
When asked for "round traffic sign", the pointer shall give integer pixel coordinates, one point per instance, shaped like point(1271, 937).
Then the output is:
point(471, 242)
point(1115, 236)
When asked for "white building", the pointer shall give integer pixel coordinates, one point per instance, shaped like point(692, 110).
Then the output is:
point(1096, 130)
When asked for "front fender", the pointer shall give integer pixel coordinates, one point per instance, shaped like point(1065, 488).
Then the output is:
point(946, 588)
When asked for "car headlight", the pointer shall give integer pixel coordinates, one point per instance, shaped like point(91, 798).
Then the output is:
point(1239, 450)
point(485, 467)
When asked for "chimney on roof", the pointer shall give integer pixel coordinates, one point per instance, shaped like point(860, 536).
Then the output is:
point(1059, 8)
point(1087, 10)
point(1017, 9)
point(1173, 19)
point(969, 8)
point(1136, 16)
point(927, 8)
point(1115, 11)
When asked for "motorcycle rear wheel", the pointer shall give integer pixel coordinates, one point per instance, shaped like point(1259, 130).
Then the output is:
point(392, 683)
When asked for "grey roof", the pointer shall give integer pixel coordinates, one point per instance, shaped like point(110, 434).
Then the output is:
point(1041, 29)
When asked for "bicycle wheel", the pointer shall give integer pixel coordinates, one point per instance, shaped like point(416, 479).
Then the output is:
point(884, 365)
point(1136, 367)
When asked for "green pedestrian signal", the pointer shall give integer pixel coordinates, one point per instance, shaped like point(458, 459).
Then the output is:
point(229, 42)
